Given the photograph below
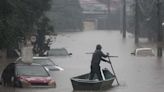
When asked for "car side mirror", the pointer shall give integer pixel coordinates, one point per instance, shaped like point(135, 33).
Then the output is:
point(132, 53)
point(69, 54)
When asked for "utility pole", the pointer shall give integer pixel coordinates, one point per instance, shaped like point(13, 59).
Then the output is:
point(108, 13)
point(108, 5)
point(136, 22)
point(159, 31)
point(124, 19)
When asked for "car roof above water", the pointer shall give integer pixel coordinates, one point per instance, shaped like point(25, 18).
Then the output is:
point(144, 52)
point(144, 49)
point(30, 64)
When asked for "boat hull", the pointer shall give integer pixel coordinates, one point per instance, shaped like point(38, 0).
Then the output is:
point(82, 82)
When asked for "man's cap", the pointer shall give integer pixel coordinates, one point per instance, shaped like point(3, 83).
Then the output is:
point(98, 47)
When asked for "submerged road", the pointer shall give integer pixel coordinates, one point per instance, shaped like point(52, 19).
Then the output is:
point(135, 74)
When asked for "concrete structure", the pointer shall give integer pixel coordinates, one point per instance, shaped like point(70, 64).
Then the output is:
point(103, 16)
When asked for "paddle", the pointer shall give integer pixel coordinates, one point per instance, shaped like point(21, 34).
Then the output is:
point(92, 53)
point(113, 70)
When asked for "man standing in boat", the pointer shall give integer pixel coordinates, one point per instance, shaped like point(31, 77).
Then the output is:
point(97, 56)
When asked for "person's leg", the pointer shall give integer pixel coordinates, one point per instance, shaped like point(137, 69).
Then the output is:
point(8, 83)
point(8, 79)
point(98, 72)
point(4, 82)
point(91, 74)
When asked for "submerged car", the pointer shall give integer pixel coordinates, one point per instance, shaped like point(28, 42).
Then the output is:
point(44, 61)
point(143, 52)
point(58, 52)
point(30, 75)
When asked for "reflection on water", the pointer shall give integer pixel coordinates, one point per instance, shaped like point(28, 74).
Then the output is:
point(135, 74)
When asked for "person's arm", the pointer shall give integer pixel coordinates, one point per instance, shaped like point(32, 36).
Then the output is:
point(108, 61)
point(104, 60)
point(104, 55)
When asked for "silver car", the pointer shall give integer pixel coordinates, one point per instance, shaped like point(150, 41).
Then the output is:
point(143, 52)
point(58, 52)
point(44, 61)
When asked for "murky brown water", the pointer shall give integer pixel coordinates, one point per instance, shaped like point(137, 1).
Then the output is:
point(135, 74)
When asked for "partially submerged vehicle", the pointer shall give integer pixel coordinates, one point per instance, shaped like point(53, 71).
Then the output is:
point(28, 75)
point(44, 61)
point(143, 52)
point(58, 52)
point(82, 82)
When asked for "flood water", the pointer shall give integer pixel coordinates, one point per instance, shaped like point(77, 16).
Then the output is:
point(135, 74)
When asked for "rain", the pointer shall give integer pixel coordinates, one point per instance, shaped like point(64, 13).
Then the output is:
point(75, 27)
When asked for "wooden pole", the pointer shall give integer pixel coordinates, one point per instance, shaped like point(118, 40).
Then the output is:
point(124, 19)
point(113, 71)
point(136, 22)
point(108, 14)
point(159, 31)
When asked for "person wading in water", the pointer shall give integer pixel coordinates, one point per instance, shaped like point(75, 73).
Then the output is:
point(97, 56)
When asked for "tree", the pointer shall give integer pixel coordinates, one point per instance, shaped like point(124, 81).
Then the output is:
point(147, 18)
point(67, 15)
point(19, 18)
point(5, 11)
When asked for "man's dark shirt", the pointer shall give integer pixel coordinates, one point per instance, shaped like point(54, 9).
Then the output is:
point(97, 57)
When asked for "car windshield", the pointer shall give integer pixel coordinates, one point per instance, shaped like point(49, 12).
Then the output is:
point(31, 70)
point(58, 52)
point(43, 61)
point(145, 52)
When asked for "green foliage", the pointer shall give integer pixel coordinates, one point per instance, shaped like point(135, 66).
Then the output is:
point(19, 17)
point(67, 14)
point(147, 18)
